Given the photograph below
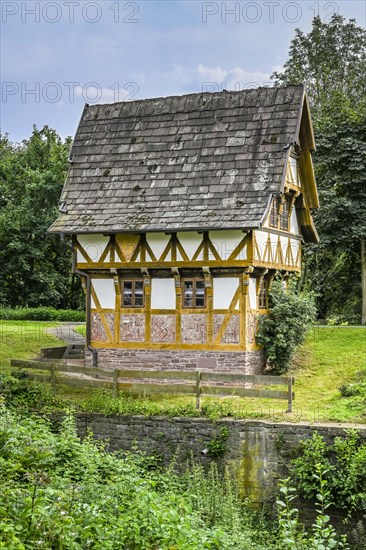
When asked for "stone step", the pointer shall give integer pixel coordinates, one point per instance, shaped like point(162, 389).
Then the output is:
point(74, 352)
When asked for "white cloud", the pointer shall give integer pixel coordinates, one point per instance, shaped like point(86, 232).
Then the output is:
point(176, 81)
point(93, 92)
point(182, 79)
point(232, 79)
point(277, 68)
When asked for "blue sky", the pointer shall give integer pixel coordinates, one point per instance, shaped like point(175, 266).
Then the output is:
point(57, 55)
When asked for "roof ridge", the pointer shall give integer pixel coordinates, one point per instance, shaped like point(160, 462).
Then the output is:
point(195, 94)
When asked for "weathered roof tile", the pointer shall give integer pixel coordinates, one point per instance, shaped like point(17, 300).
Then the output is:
point(179, 163)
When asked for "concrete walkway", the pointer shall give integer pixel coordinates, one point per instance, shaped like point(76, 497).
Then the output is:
point(66, 332)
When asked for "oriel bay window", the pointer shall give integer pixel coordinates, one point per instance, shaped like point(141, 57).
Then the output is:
point(273, 218)
point(194, 294)
point(280, 213)
point(285, 213)
point(133, 293)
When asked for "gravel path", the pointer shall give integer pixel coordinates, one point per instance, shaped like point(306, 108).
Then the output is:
point(66, 332)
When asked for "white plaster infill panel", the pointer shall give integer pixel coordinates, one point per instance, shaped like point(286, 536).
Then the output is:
point(190, 241)
point(223, 292)
point(157, 243)
point(275, 239)
point(252, 294)
point(284, 245)
point(295, 244)
point(162, 294)
point(261, 237)
point(104, 289)
point(225, 243)
point(294, 226)
point(94, 245)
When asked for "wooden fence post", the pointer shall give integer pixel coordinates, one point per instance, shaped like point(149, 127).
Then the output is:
point(115, 382)
point(289, 390)
point(198, 390)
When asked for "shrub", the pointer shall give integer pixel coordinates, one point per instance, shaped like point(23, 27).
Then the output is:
point(62, 493)
point(350, 390)
point(344, 464)
point(291, 533)
point(18, 392)
point(284, 329)
point(41, 314)
point(57, 492)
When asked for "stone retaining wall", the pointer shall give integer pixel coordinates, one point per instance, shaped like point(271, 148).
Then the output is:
point(259, 450)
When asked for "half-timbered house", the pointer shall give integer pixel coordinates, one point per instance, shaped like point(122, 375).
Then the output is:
point(182, 210)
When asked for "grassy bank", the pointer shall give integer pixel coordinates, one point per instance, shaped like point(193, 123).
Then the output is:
point(330, 358)
point(24, 339)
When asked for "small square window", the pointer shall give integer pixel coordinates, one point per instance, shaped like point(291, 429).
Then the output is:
point(133, 293)
point(194, 293)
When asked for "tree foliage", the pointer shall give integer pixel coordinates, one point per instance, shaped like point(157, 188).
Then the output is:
point(340, 165)
point(34, 266)
point(341, 169)
point(331, 61)
point(284, 329)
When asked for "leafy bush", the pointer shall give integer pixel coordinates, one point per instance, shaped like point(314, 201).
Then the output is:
point(355, 389)
point(284, 329)
point(291, 532)
point(41, 314)
point(350, 390)
point(18, 392)
point(217, 446)
point(57, 492)
point(344, 464)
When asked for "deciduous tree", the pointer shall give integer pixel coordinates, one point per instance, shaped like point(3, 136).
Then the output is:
point(34, 266)
point(331, 61)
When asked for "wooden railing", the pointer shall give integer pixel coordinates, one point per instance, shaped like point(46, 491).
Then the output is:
point(197, 383)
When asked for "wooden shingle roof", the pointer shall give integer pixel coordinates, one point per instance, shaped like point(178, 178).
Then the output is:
point(195, 162)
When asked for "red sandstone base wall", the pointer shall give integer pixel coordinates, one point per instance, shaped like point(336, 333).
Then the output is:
point(250, 362)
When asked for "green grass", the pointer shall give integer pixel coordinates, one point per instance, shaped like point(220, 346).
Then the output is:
point(330, 357)
point(81, 329)
point(23, 339)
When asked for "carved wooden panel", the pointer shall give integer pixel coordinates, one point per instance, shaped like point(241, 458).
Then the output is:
point(127, 244)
